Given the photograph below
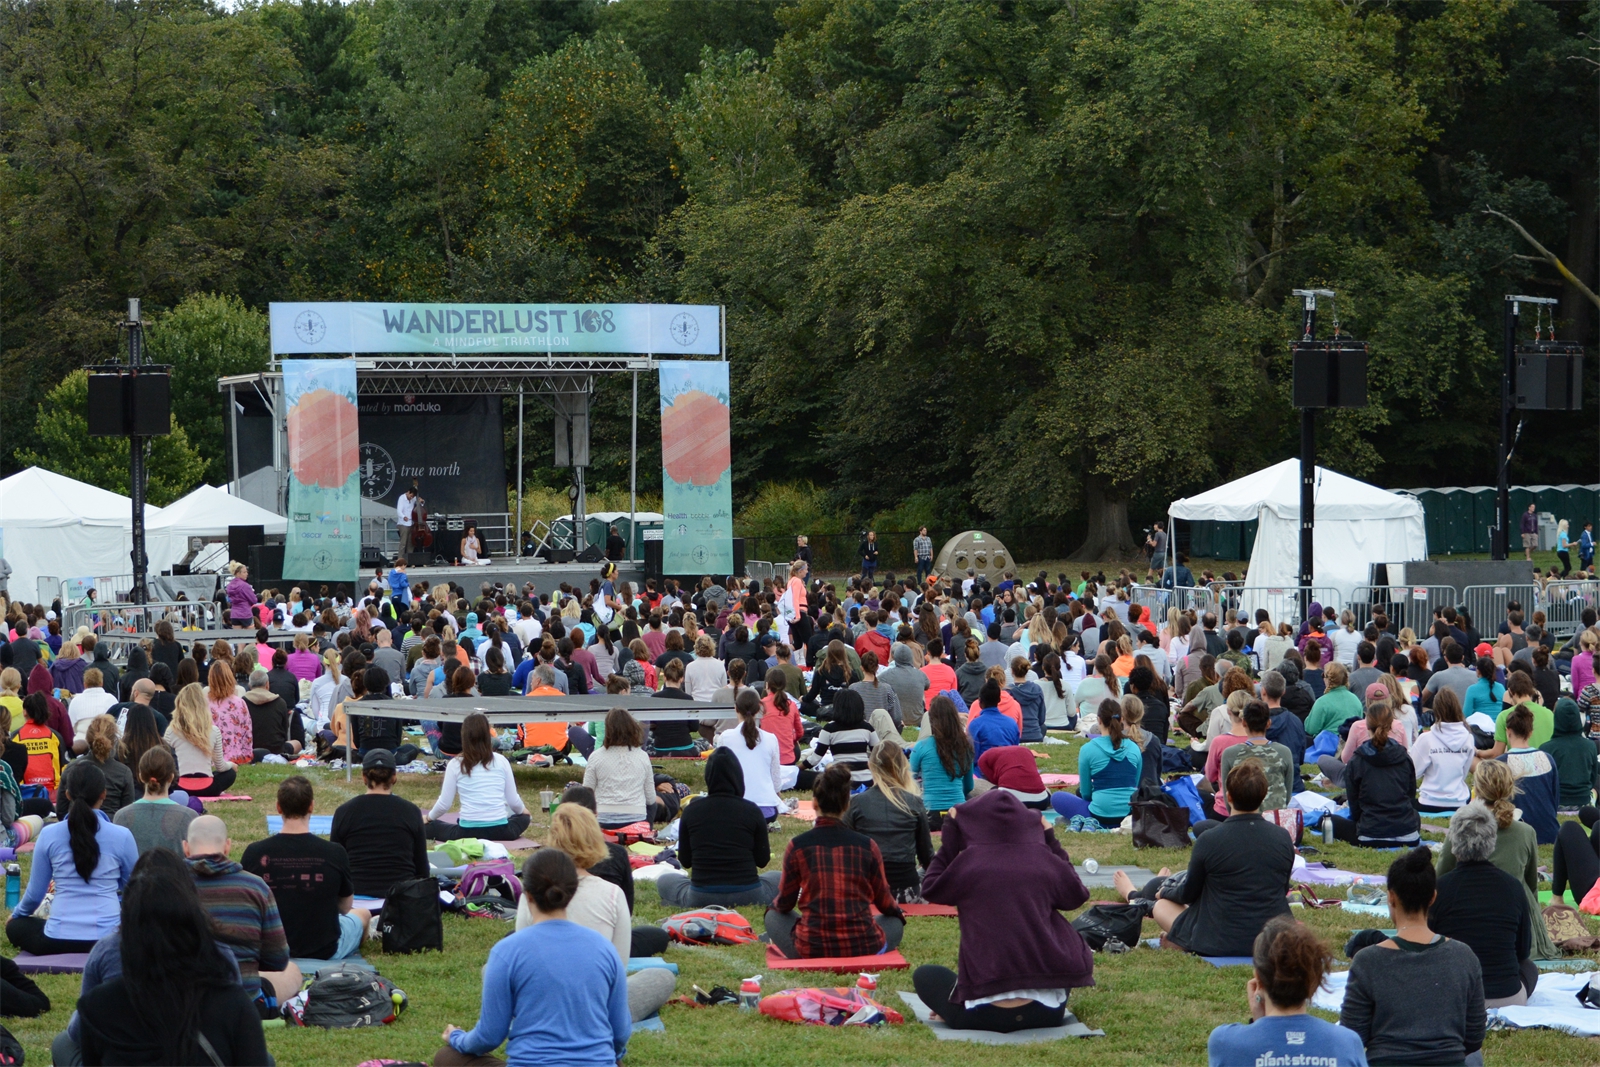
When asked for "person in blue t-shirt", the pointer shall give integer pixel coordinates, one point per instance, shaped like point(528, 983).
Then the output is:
point(990, 727)
point(1290, 963)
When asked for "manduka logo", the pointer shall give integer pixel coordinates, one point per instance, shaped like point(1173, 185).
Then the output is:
point(683, 328)
point(310, 327)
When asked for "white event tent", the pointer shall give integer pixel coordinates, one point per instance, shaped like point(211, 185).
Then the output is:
point(1356, 525)
point(56, 527)
point(207, 512)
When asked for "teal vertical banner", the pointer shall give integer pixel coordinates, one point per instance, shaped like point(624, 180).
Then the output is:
point(324, 540)
point(696, 468)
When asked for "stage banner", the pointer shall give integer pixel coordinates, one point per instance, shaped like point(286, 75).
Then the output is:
point(530, 329)
point(451, 447)
point(696, 468)
point(324, 541)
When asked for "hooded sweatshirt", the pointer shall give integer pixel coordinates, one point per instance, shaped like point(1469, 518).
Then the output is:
point(1011, 880)
point(1016, 770)
point(1108, 777)
point(1030, 701)
point(39, 681)
point(969, 679)
point(1298, 696)
point(68, 673)
point(269, 719)
point(723, 836)
point(1380, 783)
point(1573, 755)
point(1441, 758)
point(244, 912)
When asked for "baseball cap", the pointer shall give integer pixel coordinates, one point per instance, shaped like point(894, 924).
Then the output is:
point(1483, 649)
point(378, 759)
point(769, 639)
point(1377, 689)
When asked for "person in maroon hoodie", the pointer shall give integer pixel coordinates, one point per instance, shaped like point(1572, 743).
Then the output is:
point(1019, 957)
point(39, 681)
point(1016, 770)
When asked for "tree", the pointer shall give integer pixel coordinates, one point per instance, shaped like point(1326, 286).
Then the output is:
point(208, 336)
point(172, 466)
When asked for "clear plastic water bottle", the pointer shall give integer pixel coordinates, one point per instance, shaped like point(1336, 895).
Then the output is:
point(13, 885)
point(750, 994)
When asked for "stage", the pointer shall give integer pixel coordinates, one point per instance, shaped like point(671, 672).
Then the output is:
point(546, 577)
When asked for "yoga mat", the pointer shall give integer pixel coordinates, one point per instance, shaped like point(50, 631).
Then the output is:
point(1544, 895)
point(227, 797)
point(1059, 779)
point(1320, 874)
point(1576, 965)
point(370, 903)
point(320, 824)
point(521, 844)
point(943, 911)
point(1229, 961)
point(805, 810)
point(645, 963)
point(1070, 1027)
point(1102, 879)
point(652, 1025)
point(887, 961)
point(59, 963)
point(309, 967)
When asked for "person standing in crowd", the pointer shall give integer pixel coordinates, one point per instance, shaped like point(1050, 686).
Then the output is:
point(1586, 546)
point(922, 549)
point(869, 557)
point(241, 597)
point(405, 511)
point(1156, 543)
point(1563, 548)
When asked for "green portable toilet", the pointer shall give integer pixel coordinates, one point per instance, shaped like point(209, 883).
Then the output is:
point(1201, 537)
point(1483, 502)
point(1433, 517)
point(1247, 539)
point(1459, 515)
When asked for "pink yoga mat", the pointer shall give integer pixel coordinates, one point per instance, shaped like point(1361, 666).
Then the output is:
point(888, 961)
point(1059, 779)
point(224, 796)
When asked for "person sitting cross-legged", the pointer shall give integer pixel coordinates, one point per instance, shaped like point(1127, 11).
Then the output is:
point(722, 843)
point(491, 807)
point(839, 874)
point(245, 913)
point(1237, 879)
point(310, 879)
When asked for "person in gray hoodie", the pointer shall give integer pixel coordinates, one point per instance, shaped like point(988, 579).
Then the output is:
point(1030, 699)
point(910, 685)
point(970, 675)
point(1442, 755)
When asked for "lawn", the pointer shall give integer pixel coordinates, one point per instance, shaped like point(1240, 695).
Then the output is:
point(1155, 1006)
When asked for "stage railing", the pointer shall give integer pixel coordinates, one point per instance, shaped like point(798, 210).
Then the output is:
point(381, 536)
point(1563, 604)
point(1405, 605)
point(1487, 604)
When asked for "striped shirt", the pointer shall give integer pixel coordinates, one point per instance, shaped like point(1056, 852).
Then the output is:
point(850, 745)
point(246, 915)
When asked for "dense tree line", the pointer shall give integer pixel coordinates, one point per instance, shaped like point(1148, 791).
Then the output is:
point(1017, 262)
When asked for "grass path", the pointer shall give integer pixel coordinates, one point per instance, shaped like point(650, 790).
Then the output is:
point(1156, 1007)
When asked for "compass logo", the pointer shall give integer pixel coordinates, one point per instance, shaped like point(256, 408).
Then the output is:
point(683, 328)
point(310, 327)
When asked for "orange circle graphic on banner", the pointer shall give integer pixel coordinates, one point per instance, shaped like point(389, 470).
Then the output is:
point(324, 441)
point(694, 439)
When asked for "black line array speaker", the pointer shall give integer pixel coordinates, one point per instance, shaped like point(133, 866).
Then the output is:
point(738, 557)
point(105, 406)
point(240, 540)
point(652, 560)
point(266, 565)
point(1330, 374)
point(123, 403)
point(1549, 376)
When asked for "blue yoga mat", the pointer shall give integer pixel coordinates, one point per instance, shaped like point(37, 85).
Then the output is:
point(320, 824)
point(1229, 961)
point(645, 963)
point(652, 1024)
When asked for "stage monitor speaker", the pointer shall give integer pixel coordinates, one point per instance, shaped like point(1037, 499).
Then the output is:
point(738, 557)
point(240, 541)
point(557, 555)
point(106, 411)
point(266, 565)
point(1549, 377)
point(652, 560)
point(152, 404)
point(419, 557)
point(592, 554)
point(1330, 374)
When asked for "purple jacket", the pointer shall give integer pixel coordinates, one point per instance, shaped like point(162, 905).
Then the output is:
point(1530, 522)
point(241, 599)
point(1011, 881)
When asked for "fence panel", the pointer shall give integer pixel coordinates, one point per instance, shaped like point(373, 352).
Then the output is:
point(1406, 605)
point(1563, 604)
point(1487, 604)
point(1281, 603)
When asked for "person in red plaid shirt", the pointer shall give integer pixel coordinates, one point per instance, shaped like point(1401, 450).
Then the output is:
point(840, 875)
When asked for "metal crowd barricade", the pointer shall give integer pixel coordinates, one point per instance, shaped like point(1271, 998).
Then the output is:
point(1406, 605)
point(759, 569)
point(1487, 604)
point(140, 618)
point(1281, 603)
point(1563, 604)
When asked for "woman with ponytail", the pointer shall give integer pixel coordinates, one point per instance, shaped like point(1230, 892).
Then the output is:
point(781, 718)
point(1108, 772)
point(757, 752)
point(619, 772)
point(101, 736)
point(90, 860)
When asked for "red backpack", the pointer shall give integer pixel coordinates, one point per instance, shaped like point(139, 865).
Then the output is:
point(713, 925)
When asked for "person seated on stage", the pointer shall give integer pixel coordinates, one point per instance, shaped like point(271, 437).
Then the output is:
point(892, 815)
point(490, 805)
point(203, 770)
point(839, 875)
point(1019, 957)
point(620, 774)
point(310, 879)
point(245, 913)
point(551, 985)
point(600, 905)
point(1290, 964)
point(89, 859)
point(382, 834)
point(1378, 1001)
point(155, 819)
point(271, 720)
point(1237, 879)
point(1484, 907)
point(101, 738)
point(163, 990)
point(757, 752)
point(722, 843)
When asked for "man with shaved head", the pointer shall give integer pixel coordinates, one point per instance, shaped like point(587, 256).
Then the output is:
point(243, 908)
point(143, 692)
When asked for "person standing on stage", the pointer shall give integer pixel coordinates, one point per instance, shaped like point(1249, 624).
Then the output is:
point(404, 515)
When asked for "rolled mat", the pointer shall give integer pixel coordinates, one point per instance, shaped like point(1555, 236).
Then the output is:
point(59, 963)
point(887, 961)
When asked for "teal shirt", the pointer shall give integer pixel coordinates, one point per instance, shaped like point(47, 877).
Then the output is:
point(1485, 696)
point(1107, 777)
point(940, 791)
point(1332, 710)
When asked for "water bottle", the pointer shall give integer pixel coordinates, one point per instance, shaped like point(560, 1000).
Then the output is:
point(867, 983)
point(750, 994)
point(13, 885)
point(1327, 829)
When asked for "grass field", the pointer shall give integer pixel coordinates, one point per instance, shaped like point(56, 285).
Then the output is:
point(1156, 1007)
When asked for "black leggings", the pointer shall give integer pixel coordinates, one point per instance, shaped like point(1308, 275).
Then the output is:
point(935, 984)
point(27, 933)
point(509, 830)
point(1576, 862)
point(1345, 830)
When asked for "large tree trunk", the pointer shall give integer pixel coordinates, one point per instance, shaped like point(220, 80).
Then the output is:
point(1109, 537)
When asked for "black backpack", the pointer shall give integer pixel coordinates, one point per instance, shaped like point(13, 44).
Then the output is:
point(344, 996)
point(411, 920)
point(1101, 924)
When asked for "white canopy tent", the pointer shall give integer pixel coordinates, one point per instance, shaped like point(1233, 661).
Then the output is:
point(55, 527)
point(207, 512)
point(1356, 525)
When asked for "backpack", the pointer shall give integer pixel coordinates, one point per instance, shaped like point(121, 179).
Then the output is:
point(840, 1006)
point(1102, 924)
point(491, 878)
point(411, 920)
point(712, 925)
point(344, 996)
point(10, 1049)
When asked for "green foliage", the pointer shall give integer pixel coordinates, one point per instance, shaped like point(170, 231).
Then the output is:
point(208, 336)
point(172, 466)
point(672, 37)
point(784, 509)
